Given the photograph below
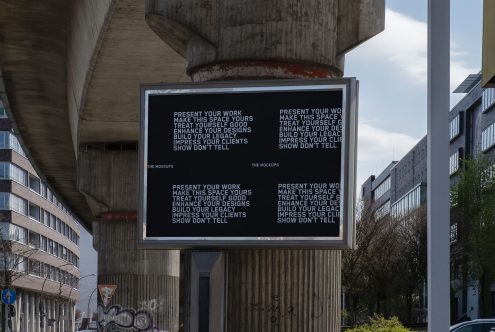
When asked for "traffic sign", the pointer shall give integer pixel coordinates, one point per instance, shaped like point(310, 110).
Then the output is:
point(106, 293)
point(8, 296)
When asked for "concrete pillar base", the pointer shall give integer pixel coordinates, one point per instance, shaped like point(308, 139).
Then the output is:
point(147, 280)
point(283, 290)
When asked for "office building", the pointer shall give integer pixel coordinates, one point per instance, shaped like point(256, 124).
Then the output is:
point(39, 243)
point(401, 187)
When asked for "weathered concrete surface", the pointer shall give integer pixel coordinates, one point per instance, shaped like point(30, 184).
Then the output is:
point(89, 21)
point(108, 178)
point(72, 71)
point(271, 290)
point(317, 32)
point(283, 290)
point(147, 280)
point(130, 54)
point(33, 64)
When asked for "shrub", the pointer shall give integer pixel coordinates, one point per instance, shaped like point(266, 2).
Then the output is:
point(379, 324)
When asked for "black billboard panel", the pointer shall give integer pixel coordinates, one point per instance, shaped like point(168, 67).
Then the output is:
point(248, 164)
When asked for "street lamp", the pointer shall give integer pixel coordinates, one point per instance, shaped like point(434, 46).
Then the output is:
point(70, 293)
point(89, 301)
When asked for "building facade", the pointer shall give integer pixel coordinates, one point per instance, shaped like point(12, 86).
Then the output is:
point(472, 133)
point(39, 244)
point(401, 187)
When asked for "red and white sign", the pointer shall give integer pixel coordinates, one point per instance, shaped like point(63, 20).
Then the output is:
point(106, 293)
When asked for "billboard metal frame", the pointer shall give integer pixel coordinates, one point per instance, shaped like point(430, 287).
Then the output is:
point(349, 87)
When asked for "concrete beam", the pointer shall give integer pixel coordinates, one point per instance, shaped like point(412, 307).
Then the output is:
point(71, 72)
point(33, 63)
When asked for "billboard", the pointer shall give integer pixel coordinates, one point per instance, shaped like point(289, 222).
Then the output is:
point(264, 163)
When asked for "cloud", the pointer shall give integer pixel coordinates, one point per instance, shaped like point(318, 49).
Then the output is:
point(403, 45)
point(377, 148)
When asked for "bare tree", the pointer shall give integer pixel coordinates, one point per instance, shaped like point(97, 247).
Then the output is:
point(385, 272)
point(368, 271)
point(16, 250)
point(412, 259)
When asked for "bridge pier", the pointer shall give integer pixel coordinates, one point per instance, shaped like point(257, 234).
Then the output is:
point(270, 290)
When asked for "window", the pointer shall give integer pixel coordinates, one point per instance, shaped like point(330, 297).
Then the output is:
point(9, 141)
point(22, 264)
point(13, 232)
point(454, 161)
point(382, 188)
point(455, 126)
point(18, 204)
point(34, 267)
point(46, 218)
point(34, 211)
point(488, 99)
point(53, 221)
point(49, 195)
point(20, 235)
point(44, 243)
point(50, 246)
point(42, 189)
point(9, 171)
point(64, 253)
point(408, 202)
point(34, 239)
point(488, 137)
point(12, 202)
point(34, 184)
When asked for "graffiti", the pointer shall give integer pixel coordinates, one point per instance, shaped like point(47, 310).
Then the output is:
point(152, 305)
point(276, 312)
point(273, 310)
point(119, 317)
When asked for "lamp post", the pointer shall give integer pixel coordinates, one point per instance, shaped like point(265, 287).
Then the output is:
point(89, 303)
point(70, 299)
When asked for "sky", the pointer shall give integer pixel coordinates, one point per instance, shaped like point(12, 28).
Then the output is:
point(391, 68)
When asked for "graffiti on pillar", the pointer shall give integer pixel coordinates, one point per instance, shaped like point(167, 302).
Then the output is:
point(126, 318)
point(152, 305)
point(276, 312)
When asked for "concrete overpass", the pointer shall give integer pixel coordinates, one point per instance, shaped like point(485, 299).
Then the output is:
point(70, 75)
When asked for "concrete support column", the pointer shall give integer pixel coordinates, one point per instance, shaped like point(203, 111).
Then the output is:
point(271, 290)
point(18, 308)
point(25, 318)
point(51, 312)
point(147, 280)
point(63, 317)
point(36, 316)
point(42, 325)
point(32, 311)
